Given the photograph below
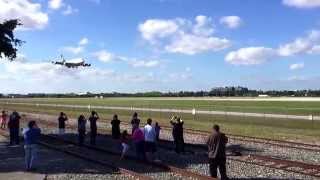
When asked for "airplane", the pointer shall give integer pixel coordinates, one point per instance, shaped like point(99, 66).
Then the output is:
point(72, 63)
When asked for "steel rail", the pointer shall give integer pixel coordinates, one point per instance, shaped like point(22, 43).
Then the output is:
point(86, 158)
point(174, 169)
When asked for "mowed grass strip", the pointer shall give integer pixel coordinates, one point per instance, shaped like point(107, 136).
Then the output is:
point(272, 107)
point(241, 125)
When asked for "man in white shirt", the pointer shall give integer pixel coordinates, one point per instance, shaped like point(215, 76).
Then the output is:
point(150, 138)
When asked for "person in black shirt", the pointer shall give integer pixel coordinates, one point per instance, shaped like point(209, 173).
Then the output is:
point(82, 129)
point(62, 122)
point(13, 125)
point(135, 122)
point(216, 143)
point(115, 123)
point(93, 127)
point(177, 133)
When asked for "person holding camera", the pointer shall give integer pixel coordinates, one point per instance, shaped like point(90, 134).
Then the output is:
point(93, 127)
point(177, 133)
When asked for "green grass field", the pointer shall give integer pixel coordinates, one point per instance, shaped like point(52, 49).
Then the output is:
point(275, 107)
point(243, 125)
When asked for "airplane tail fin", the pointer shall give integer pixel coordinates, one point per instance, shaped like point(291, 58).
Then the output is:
point(62, 58)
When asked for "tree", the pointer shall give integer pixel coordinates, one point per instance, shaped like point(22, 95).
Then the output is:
point(8, 42)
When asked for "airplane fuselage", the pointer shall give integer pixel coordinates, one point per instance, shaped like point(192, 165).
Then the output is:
point(72, 64)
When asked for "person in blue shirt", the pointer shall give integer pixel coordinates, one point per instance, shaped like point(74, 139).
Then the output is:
point(31, 136)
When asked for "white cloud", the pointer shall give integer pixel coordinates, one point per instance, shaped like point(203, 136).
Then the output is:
point(250, 56)
point(179, 76)
point(258, 55)
point(69, 10)
point(182, 76)
point(60, 4)
point(19, 58)
point(55, 4)
point(192, 44)
point(31, 76)
point(231, 22)
point(315, 50)
point(73, 50)
point(203, 26)
point(296, 66)
point(79, 48)
point(300, 45)
point(83, 41)
point(302, 3)
point(182, 35)
point(296, 78)
point(104, 56)
point(30, 14)
point(157, 28)
point(143, 63)
point(26, 77)
point(296, 47)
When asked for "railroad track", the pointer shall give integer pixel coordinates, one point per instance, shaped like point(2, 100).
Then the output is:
point(89, 156)
point(172, 171)
point(265, 161)
point(286, 165)
point(272, 142)
point(167, 168)
point(136, 168)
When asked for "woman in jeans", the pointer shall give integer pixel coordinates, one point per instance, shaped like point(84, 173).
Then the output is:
point(31, 136)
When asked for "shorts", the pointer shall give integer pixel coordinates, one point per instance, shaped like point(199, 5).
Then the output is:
point(150, 147)
point(125, 147)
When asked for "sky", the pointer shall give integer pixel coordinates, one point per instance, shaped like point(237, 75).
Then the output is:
point(163, 45)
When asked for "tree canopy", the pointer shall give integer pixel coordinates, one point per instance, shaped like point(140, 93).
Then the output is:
point(8, 42)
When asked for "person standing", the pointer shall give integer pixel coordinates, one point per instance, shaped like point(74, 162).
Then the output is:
point(3, 119)
point(149, 138)
point(31, 136)
point(124, 143)
point(62, 122)
point(177, 133)
point(14, 125)
point(138, 140)
point(216, 143)
point(157, 128)
point(135, 121)
point(93, 127)
point(82, 129)
point(115, 123)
